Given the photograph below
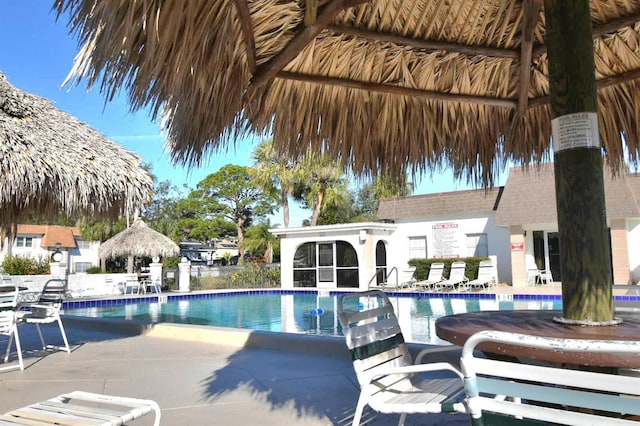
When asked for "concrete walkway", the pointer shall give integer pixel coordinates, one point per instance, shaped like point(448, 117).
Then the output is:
point(197, 380)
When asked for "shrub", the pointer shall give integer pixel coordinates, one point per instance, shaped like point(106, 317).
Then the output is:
point(18, 265)
point(94, 270)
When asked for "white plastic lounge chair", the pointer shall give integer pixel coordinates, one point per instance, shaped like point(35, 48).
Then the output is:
point(9, 321)
point(389, 380)
point(47, 311)
point(486, 277)
point(456, 277)
point(83, 408)
point(436, 270)
point(518, 393)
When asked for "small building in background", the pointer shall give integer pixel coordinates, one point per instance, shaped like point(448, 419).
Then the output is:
point(41, 241)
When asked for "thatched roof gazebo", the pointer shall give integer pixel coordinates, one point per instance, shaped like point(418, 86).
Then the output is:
point(390, 86)
point(51, 163)
point(138, 240)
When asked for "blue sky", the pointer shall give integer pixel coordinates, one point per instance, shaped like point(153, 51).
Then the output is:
point(36, 54)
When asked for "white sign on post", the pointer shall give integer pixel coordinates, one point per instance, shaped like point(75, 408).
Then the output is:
point(579, 130)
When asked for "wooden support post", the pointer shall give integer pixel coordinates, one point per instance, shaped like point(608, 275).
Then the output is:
point(584, 244)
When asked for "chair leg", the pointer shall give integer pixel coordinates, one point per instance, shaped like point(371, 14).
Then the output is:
point(64, 336)
point(403, 419)
point(44, 346)
point(18, 348)
point(9, 343)
point(358, 413)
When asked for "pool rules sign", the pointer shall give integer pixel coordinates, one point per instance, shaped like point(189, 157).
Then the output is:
point(579, 130)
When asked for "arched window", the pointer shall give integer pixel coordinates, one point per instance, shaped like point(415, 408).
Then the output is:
point(346, 265)
point(304, 265)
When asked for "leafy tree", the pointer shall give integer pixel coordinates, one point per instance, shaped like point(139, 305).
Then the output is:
point(96, 229)
point(381, 187)
point(276, 173)
point(162, 214)
point(361, 205)
point(230, 194)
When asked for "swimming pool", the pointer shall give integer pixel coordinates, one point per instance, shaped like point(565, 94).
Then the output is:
point(307, 312)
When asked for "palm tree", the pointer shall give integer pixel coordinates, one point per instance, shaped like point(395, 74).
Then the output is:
point(260, 240)
point(322, 179)
point(275, 171)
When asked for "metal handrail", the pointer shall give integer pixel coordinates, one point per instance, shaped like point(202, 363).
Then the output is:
point(386, 278)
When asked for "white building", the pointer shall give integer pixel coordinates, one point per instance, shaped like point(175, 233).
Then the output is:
point(516, 223)
point(445, 225)
point(40, 241)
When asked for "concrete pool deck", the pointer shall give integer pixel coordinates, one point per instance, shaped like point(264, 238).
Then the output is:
point(200, 382)
point(206, 375)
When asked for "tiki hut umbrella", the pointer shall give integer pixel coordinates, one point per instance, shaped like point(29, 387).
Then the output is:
point(138, 240)
point(388, 86)
point(51, 163)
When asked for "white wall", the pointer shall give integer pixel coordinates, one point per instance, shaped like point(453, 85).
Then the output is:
point(633, 241)
point(497, 240)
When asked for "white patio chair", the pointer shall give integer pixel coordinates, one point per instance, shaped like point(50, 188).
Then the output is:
point(486, 277)
point(389, 381)
point(507, 391)
point(9, 321)
point(456, 277)
point(132, 284)
point(47, 311)
point(436, 270)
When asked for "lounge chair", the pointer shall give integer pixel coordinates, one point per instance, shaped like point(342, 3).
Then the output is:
point(435, 276)
point(456, 277)
point(509, 392)
point(9, 321)
point(389, 380)
point(83, 408)
point(486, 277)
point(47, 311)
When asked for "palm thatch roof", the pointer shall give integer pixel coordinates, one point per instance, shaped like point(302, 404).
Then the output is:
point(140, 241)
point(51, 163)
point(381, 84)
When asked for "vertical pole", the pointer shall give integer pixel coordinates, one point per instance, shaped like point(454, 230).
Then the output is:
point(584, 243)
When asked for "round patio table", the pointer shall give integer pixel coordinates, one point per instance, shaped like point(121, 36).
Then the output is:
point(458, 328)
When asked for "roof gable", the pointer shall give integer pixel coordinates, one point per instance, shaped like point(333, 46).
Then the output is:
point(443, 203)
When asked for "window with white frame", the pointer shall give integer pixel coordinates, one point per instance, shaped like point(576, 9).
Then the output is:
point(418, 247)
point(82, 266)
point(24, 242)
point(477, 245)
point(82, 244)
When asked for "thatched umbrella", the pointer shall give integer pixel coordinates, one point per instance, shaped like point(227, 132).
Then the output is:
point(51, 163)
point(388, 86)
point(138, 240)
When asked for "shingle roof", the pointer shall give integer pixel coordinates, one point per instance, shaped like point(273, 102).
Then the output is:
point(443, 203)
point(530, 197)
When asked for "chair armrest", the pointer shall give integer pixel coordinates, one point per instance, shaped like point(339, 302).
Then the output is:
point(412, 369)
point(435, 350)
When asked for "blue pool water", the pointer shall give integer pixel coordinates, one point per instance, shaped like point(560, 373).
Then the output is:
point(297, 312)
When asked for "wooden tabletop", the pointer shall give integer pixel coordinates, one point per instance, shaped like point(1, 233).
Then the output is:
point(458, 328)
